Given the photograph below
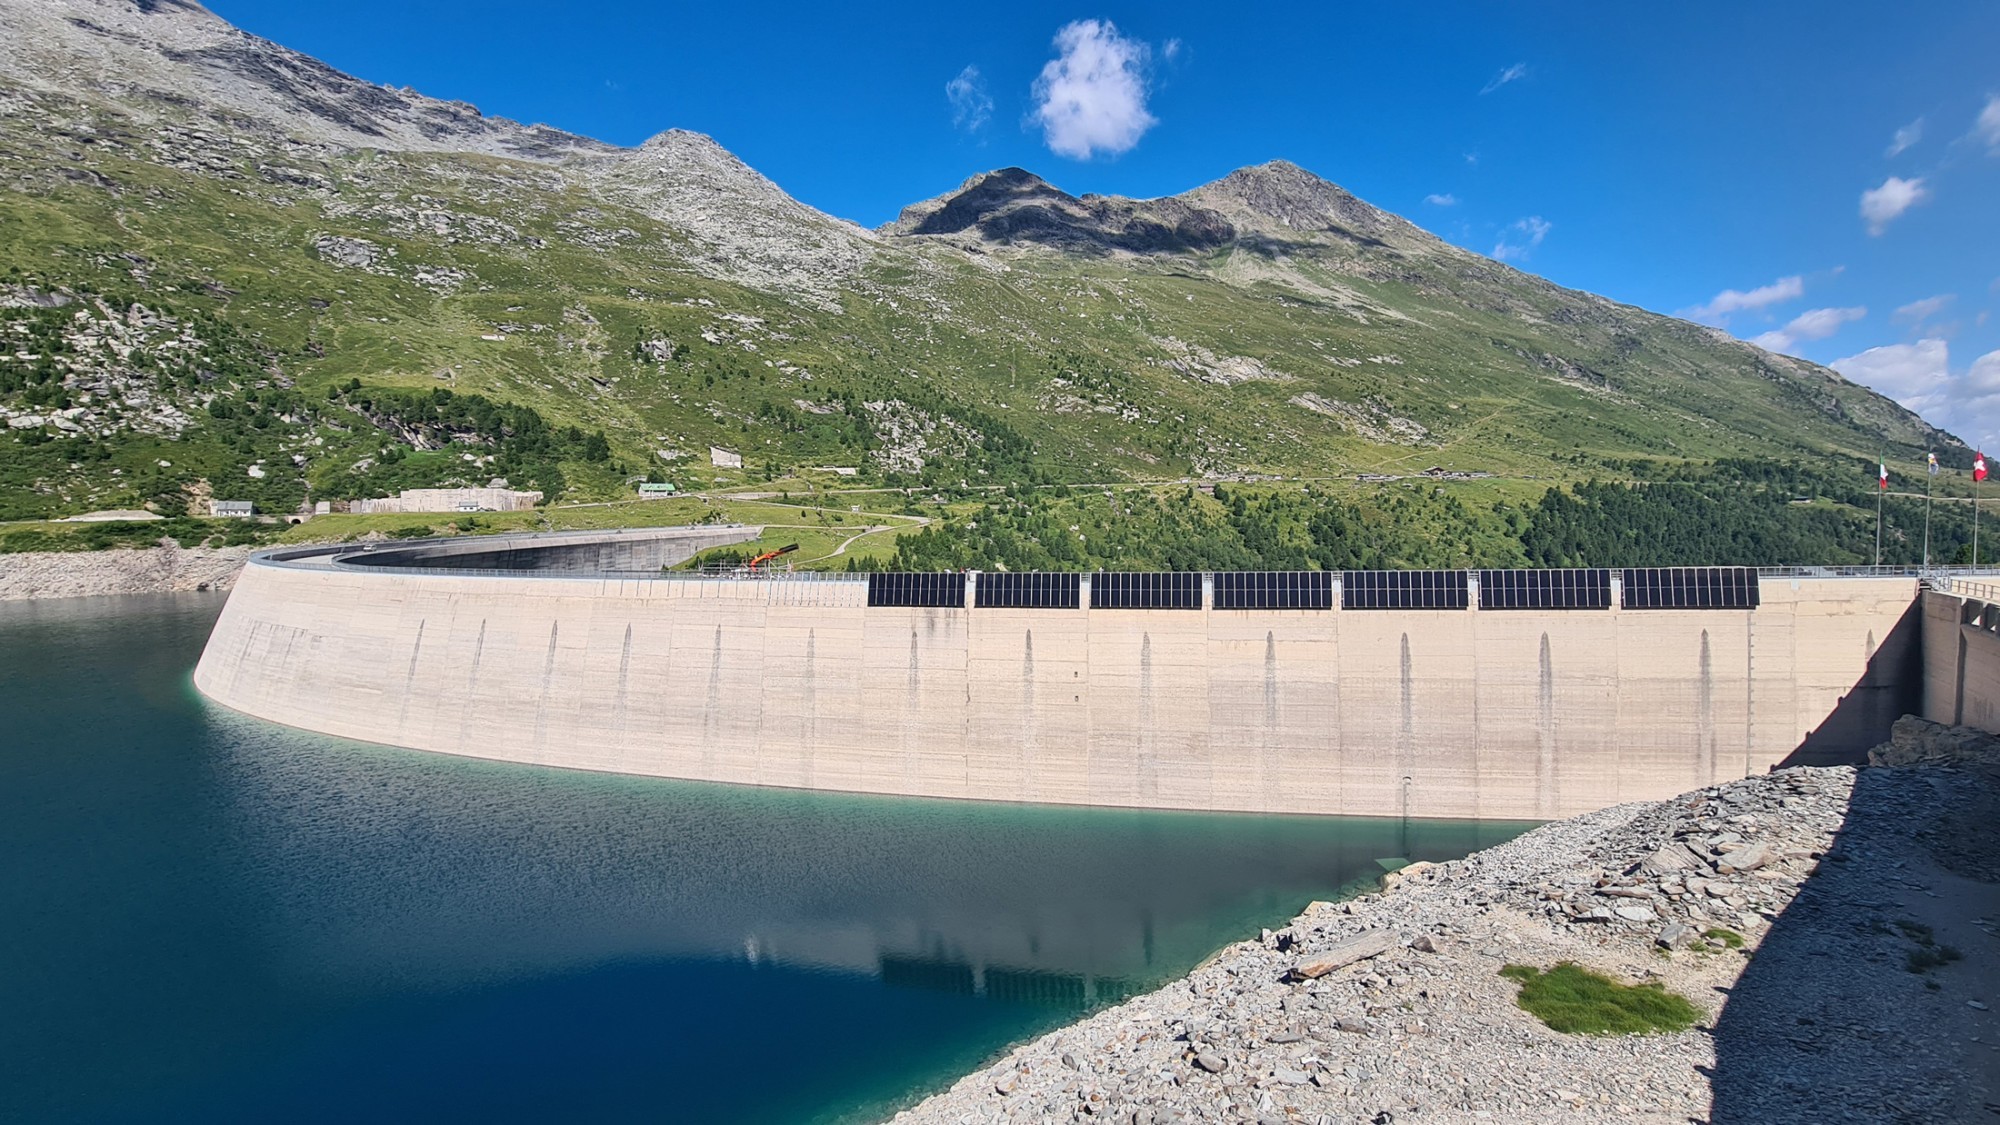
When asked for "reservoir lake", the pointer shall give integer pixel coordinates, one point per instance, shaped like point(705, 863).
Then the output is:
point(209, 918)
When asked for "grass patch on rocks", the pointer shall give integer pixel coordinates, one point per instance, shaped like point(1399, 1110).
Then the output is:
point(1571, 999)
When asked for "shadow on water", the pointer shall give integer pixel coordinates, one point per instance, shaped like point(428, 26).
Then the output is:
point(215, 919)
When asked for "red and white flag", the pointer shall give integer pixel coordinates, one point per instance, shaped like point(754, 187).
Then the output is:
point(1884, 478)
point(1979, 466)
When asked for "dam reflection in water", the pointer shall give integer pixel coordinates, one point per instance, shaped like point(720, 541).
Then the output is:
point(220, 919)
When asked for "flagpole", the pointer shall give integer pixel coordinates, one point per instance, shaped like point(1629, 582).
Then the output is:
point(1880, 488)
point(1930, 481)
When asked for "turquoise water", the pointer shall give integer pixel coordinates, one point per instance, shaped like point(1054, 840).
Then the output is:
point(206, 918)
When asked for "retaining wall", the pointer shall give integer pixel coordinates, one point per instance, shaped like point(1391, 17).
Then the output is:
point(1961, 682)
point(1520, 714)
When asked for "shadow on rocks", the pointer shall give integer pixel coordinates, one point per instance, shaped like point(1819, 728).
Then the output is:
point(1870, 997)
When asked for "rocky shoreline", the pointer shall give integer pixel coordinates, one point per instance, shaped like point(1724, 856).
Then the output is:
point(152, 570)
point(1790, 908)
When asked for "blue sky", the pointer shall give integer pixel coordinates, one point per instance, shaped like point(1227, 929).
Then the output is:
point(1824, 176)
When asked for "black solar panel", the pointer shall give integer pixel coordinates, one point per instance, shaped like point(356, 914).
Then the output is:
point(1274, 589)
point(1691, 587)
point(926, 590)
point(1178, 590)
point(1028, 591)
point(1404, 589)
point(1545, 589)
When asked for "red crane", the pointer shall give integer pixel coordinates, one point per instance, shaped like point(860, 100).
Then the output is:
point(767, 556)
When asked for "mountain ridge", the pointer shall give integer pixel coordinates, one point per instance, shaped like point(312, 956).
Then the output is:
point(206, 190)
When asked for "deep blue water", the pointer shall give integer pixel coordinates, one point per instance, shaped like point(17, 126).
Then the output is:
point(206, 918)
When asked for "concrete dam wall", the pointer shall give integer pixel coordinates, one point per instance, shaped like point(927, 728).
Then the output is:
point(798, 681)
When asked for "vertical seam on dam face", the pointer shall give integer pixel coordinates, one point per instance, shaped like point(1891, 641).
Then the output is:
point(1028, 747)
point(912, 708)
point(1705, 716)
point(1406, 733)
point(1189, 716)
point(811, 707)
point(618, 702)
point(1545, 729)
point(1750, 691)
point(711, 708)
point(1267, 764)
point(1148, 742)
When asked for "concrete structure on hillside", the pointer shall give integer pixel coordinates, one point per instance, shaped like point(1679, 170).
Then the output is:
point(232, 509)
point(450, 500)
point(597, 661)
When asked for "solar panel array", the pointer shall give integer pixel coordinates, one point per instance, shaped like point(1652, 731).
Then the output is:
point(1545, 589)
point(923, 590)
point(1677, 587)
point(1691, 587)
point(1177, 590)
point(1404, 589)
point(1274, 589)
point(1028, 591)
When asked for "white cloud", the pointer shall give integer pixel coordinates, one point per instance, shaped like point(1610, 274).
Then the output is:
point(1718, 309)
point(1445, 199)
point(1905, 137)
point(1091, 98)
point(1919, 376)
point(971, 105)
point(1472, 158)
point(1813, 324)
point(1530, 230)
point(1987, 128)
point(1172, 50)
point(1915, 375)
point(1916, 312)
point(1512, 74)
point(1895, 196)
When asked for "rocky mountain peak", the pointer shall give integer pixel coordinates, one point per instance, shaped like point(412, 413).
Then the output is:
point(1281, 197)
point(175, 57)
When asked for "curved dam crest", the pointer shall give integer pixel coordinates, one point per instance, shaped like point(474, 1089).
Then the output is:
point(589, 658)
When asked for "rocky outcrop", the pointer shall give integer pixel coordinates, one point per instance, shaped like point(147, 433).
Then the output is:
point(158, 570)
point(1915, 740)
point(1016, 206)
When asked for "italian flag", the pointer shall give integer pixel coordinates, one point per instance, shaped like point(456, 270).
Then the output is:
point(1883, 479)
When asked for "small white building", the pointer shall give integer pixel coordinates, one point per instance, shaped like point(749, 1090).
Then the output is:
point(232, 509)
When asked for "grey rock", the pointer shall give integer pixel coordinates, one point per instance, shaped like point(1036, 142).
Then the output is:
point(1211, 1062)
point(1341, 954)
point(1748, 858)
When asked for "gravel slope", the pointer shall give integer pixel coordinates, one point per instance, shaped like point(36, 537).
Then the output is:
point(156, 570)
point(1826, 873)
